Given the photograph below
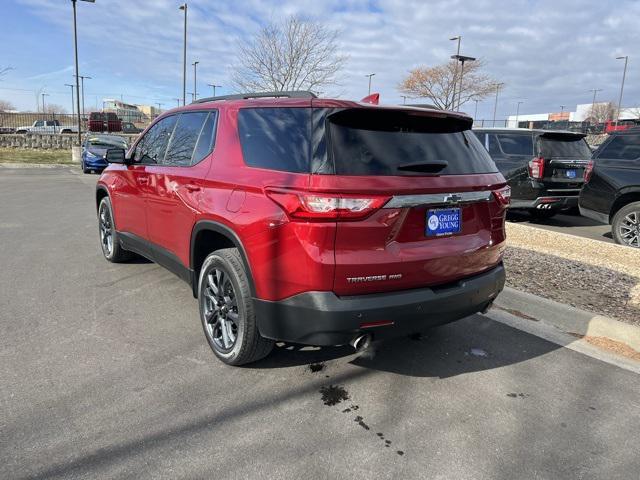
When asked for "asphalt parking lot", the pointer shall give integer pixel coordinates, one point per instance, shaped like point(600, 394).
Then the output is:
point(569, 222)
point(105, 373)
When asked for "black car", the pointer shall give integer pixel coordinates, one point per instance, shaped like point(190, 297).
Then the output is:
point(129, 127)
point(544, 168)
point(611, 193)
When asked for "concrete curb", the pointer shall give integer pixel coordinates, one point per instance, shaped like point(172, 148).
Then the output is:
point(567, 319)
point(36, 165)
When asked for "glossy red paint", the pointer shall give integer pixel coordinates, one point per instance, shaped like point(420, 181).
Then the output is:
point(287, 256)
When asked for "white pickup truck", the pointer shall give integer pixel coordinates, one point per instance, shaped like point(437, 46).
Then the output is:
point(47, 126)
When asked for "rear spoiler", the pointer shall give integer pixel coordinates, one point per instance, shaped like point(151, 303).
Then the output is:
point(559, 135)
point(373, 117)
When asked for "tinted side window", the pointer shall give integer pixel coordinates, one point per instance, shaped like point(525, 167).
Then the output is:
point(622, 147)
point(516, 144)
point(276, 138)
point(206, 140)
point(151, 148)
point(184, 138)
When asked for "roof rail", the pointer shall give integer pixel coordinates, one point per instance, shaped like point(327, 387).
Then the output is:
point(247, 96)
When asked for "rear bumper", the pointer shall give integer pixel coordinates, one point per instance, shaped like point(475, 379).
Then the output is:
point(322, 318)
point(546, 202)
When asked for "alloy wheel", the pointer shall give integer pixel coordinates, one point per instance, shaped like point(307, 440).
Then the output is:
point(106, 230)
point(221, 310)
point(629, 229)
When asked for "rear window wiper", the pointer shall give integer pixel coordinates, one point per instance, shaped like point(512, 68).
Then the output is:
point(432, 166)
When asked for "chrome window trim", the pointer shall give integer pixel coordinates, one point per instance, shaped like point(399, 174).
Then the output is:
point(402, 201)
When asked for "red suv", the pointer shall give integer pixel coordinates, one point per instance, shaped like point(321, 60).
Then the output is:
point(308, 220)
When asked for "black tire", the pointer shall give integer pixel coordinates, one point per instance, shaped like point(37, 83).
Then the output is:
point(625, 226)
point(226, 310)
point(112, 250)
point(542, 214)
point(84, 169)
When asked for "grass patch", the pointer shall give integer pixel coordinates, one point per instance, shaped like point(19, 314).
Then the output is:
point(24, 155)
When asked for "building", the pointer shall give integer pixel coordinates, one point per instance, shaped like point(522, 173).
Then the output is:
point(126, 111)
point(579, 115)
point(149, 111)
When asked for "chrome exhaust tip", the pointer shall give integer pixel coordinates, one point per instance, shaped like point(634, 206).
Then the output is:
point(361, 342)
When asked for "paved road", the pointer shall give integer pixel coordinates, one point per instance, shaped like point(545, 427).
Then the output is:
point(105, 373)
point(570, 223)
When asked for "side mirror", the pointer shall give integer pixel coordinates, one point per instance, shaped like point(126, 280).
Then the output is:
point(116, 155)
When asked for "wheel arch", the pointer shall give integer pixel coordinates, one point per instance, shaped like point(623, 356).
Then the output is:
point(629, 196)
point(208, 236)
point(101, 192)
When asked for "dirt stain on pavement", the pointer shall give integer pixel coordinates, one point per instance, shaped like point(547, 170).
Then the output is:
point(333, 395)
point(360, 421)
point(316, 367)
point(517, 395)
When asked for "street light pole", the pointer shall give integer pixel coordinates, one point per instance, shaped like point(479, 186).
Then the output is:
point(177, 100)
point(495, 106)
point(370, 75)
point(461, 59)
point(624, 74)
point(518, 111)
point(562, 109)
point(82, 90)
point(593, 103)
point(195, 80)
point(455, 70)
point(184, 56)
point(475, 112)
point(214, 87)
point(404, 99)
point(73, 110)
point(43, 95)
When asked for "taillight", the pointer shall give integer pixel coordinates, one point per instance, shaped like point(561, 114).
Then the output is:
point(536, 168)
point(588, 171)
point(503, 195)
point(321, 206)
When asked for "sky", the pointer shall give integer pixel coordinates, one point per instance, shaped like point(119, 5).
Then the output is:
point(547, 52)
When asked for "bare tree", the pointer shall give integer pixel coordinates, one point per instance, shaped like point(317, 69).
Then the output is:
point(602, 112)
point(54, 108)
point(294, 54)
point(440, 82)
point(6, 106)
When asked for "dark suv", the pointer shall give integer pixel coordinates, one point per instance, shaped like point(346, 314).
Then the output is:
point(544, 168)
point(611, 194)
point(309, 220)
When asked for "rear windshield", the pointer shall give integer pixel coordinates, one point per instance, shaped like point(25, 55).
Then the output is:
point(566, 147)
point(382, 142)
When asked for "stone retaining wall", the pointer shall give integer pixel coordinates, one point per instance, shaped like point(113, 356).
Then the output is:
point(50, 142)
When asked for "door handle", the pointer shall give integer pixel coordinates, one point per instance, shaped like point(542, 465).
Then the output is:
point(192, 188)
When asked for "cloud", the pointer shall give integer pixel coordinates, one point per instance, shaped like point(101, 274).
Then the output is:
point(548, 51)
point(47, 75)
